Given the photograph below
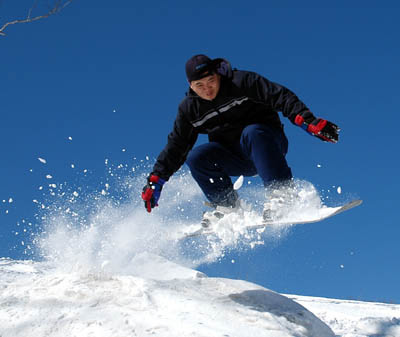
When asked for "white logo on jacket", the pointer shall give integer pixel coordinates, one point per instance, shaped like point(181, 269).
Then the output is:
point(224, 108)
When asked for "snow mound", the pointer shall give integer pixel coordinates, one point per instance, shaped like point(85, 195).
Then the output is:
point(355, 318)
point(110, 269)
point(37, 300)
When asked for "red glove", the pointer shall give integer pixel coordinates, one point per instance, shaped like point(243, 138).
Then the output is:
point(152, 191)
point(320, 128)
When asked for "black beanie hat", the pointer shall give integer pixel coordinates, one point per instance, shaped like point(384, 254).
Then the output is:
point(199, 66)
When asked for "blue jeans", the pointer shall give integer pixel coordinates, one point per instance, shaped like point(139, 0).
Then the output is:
point(261, 150)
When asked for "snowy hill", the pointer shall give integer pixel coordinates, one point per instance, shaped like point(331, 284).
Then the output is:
point(111, 270)
point(37, 299)
point(354, 318)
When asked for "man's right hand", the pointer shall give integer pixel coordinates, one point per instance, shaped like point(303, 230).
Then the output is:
point(152, 191)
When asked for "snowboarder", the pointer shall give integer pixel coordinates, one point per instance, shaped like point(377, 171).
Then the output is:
point(239, 112)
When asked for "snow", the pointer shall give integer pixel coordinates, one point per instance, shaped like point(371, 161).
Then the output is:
point(238, 183)
point(37, 301)
point(297, 203)
point(161, 298)
point(354, 318)
point(112, 272)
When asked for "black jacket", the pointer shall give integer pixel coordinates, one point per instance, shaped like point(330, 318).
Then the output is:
point(244, 98)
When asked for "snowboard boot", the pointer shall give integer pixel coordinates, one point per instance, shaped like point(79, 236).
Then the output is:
point(219, 211)
point(268, 215)
point(279, 200)
point(210, 217)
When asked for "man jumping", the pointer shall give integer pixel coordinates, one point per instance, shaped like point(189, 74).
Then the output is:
point(238, 110)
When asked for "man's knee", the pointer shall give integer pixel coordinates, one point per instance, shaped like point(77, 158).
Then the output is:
point(198, 155)
point(193, 157)
point(256, 130)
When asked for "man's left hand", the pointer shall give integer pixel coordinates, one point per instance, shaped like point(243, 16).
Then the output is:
point(320, 128)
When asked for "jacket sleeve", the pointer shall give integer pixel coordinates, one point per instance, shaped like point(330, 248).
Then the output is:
point(180, 141)
point(276, 96)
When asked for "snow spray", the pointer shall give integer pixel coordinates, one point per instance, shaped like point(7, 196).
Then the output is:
point(105, 228)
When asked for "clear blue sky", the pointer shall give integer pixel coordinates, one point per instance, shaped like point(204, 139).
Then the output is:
point(111, 74)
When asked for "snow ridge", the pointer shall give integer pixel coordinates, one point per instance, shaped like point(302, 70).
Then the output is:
point(109, 269)
point(37, 300)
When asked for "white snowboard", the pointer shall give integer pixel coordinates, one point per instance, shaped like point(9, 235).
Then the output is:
point(322, 214)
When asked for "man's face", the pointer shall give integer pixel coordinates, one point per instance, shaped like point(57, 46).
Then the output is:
point(207, 88)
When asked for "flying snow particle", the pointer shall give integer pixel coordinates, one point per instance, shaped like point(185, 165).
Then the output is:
point(123, 150)
point(319, 165)
point(233, 261)
point(76, 194)
point(342, 266)
point(238, 183)
point(49, 176)
point(211, 180)
point(255, 243)
point(72, 166)
point(105, 264)
point(42, 160)
point(147, 158)
point(10, 200)
point(70, 138)
point(339, 190)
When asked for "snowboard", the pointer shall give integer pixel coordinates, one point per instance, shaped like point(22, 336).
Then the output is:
point(321, 214)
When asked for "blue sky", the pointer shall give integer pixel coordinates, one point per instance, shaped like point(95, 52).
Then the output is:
point(111, 74)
